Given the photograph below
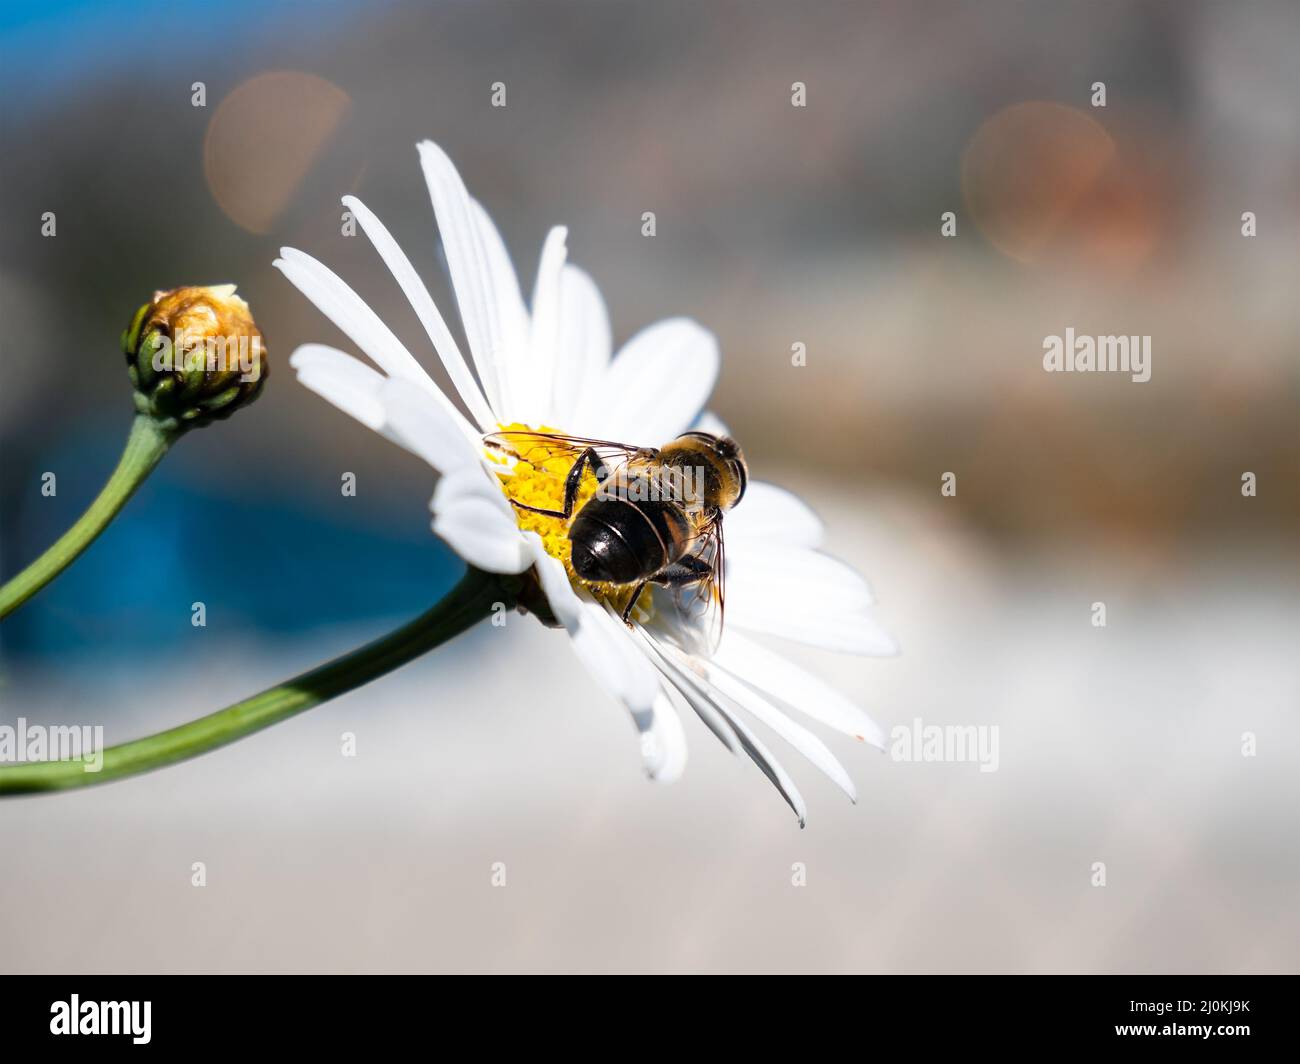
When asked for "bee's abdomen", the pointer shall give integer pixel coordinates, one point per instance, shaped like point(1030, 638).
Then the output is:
point(620, 542)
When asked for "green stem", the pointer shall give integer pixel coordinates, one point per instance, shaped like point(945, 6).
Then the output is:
point(145, 446)
point(467, 603)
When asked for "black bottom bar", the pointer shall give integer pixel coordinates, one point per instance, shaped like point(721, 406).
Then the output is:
point(1227, 1013)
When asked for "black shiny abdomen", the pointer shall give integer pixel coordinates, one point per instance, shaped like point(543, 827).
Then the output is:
point(616, 541)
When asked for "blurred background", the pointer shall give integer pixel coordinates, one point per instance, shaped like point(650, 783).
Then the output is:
point(776, 225)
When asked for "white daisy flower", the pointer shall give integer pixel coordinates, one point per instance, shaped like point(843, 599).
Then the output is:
point(551, 366)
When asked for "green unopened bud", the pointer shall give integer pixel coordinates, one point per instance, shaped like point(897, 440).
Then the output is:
point(194, 355)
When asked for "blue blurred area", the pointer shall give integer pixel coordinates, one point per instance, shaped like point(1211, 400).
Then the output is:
point(51, 45)
point(264, 561)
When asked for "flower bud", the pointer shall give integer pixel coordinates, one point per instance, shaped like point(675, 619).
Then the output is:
point(194, 355)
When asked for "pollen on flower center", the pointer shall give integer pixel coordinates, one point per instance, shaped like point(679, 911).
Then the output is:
point(537, 478)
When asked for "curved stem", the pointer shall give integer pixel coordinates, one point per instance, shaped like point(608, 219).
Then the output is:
point(467, 603)
point(145, 446)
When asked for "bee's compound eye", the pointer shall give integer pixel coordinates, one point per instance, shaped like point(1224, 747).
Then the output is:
point(728, 448)
point(742, 478)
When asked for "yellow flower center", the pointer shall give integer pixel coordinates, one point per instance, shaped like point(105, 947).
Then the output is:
point(537, 478)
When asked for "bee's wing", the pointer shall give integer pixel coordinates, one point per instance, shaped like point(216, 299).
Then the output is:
point(537, 448)
point(703, 605)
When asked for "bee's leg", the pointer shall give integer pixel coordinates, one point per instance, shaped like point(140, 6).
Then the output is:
point(574, 480)
point(687, 570)
point(571, 484)
point(537, 509)
point(681, 573)
point(636, 594)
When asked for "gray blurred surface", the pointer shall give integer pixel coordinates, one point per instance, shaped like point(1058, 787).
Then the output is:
point(1120, 745)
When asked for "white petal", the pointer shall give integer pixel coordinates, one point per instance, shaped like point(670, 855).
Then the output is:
point(796, 735)
point(333, 298)
point(804, 596)
point(769, 512)
point(851, 634)
point(749, 742)
point(342, 380)
point(584, 347)
point(513, 346)
point(699, 700)
point(797, 688)
point(471, 480)
point(397, 409)
point(337, 301)
point(424, 428)
point(487, 290)
point(559, 593)
point(532, 394)
point(603, 645)
point(483, 536)
point(663, 742)
point(771, 768)
point(427, 311)
point(770, 577)
point(656, 386)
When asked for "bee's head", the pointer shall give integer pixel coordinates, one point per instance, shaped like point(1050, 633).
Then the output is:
point(730, 457)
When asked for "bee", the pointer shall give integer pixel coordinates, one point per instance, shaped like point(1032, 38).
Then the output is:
point(655, 518)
